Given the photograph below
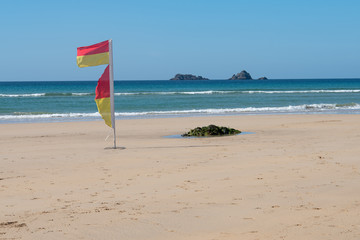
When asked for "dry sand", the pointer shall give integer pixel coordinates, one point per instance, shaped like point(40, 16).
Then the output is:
point(297, 177)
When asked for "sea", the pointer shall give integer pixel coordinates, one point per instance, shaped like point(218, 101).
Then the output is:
point(63, 101)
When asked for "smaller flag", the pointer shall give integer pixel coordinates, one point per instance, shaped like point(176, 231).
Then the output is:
point(102, 97)
point(93, 55)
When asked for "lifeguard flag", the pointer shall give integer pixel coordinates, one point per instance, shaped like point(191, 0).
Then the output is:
point(102, 97)
point(93, 55)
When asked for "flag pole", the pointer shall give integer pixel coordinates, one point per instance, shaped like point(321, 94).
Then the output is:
point(111, 70)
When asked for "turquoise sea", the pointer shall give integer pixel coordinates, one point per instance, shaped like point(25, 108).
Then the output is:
point(74, 100)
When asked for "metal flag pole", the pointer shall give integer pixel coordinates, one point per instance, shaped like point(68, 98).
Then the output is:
point(111, 69)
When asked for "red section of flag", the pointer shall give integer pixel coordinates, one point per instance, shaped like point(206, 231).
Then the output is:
point(93, 49)
point(103, 86)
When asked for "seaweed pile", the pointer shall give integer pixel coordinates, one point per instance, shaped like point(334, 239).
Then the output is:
point(211, 130)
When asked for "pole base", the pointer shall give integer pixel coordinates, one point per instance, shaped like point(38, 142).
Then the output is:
point(118, 148)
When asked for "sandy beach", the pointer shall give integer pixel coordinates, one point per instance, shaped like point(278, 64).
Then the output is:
point(296, 177)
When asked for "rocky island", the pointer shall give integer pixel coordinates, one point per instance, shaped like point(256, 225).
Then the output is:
point(243, 75)
point(188, 77)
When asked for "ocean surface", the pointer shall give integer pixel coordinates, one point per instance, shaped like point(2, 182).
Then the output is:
point(74, 101)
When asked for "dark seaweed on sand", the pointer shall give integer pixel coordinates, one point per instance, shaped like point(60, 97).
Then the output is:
point(211, 130)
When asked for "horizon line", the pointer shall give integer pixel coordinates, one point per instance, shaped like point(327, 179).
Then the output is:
point(181, 80)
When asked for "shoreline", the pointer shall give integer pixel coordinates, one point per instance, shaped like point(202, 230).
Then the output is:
point(295, 178)
point(40, 119)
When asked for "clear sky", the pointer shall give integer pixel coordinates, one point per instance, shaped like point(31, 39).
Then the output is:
point(155, 39)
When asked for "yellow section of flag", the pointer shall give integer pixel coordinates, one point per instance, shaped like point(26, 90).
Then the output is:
point(103, 105)
point(93, 60)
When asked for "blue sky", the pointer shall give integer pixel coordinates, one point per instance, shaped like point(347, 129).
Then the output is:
point(154, 40)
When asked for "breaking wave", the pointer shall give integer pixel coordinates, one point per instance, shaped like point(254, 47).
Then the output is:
point(310, 108)
point(184, 93)
point(45, 95)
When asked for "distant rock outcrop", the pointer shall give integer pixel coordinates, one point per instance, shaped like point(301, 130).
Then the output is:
point(263, 78)
point(243, 75)
point(188, 77)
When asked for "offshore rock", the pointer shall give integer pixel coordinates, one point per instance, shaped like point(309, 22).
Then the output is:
point(211, 130)
point(188, 77)
point(243, 75)
point(263, 78)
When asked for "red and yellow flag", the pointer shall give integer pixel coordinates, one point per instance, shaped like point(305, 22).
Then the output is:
point(93, 55)
point(102, 97)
